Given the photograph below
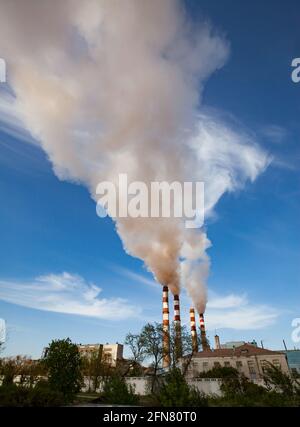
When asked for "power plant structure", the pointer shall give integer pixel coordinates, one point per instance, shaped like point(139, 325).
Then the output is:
point(204, 341)
point(177, 326)
point(166, 329)
point(193, 331)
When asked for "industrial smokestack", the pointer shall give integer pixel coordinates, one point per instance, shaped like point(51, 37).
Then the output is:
point(193, 330)
point(217, 342)
point(204, 342)
point(177, 325)
point(166, 328)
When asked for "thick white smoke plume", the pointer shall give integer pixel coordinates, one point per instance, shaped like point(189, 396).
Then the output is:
point(110, 87)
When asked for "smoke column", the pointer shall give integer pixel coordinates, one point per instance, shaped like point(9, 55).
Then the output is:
point(108, 87)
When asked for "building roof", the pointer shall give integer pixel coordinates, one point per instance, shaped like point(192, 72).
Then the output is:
point(243, 350)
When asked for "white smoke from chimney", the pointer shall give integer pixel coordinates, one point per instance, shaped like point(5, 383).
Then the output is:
point(110, 87)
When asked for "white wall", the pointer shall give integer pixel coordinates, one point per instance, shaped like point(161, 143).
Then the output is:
point(204, 385)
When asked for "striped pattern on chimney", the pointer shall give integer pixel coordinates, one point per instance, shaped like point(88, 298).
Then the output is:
point(176, 309)
point(193, 330)
point(177, 324)
point(166, 327)
point(166, 306)
point(204, 342)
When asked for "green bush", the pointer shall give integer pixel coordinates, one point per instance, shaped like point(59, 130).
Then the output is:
point(40, 395)
point(116, 391)
point(12, 395)
point(175, 392)
point(43, 395)
point(197, 399)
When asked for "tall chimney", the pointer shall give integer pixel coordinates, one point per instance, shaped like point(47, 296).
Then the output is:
point(193, 330)
point(217, 342)
point(177, 325)
point(166, 328)
point(204, 342)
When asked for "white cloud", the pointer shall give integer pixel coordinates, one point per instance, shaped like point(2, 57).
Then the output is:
point(228, 156)
point(242, 318)
point(229, 301)
point(237, 312)
point(66, 293)
point(232, 311)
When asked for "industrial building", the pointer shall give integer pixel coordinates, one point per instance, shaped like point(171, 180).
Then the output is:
point(111, 353)
point(248, 359)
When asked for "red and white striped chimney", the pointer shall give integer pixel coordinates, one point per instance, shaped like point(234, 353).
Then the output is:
point(177, 324)
point(166, 328)
point(193, 330)
point(204, 342)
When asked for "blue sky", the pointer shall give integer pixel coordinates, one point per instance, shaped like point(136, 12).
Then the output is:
point(49, 226)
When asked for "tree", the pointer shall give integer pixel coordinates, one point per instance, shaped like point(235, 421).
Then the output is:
point(152, 338)
point(136, 344)
point(175, 392)
point(63, 362)
point(95, 366)
point(116, 391)
point(276, 379)
point(180, 344)
point(149, 344)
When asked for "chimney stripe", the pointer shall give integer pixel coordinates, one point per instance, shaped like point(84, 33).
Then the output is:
point(193, 330)
point(166, 328)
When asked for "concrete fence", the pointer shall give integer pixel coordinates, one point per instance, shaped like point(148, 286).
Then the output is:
point(142, 385)
point(209, 386)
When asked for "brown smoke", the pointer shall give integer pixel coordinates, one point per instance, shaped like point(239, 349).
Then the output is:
point(109, 87)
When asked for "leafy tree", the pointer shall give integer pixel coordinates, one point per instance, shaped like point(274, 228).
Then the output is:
point(180, 343)
point(116, 391)
point(276, 379)
point(63, 362)
point(151, 339)
point(95, 366)
point(136, 345)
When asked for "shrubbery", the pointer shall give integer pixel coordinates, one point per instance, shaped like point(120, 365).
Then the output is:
point(175, 392)
point(240, 391)
point(13, 395)
point(116, 391)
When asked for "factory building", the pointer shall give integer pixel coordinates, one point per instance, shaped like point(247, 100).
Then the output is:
point(248, 359)
point(111, 353)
